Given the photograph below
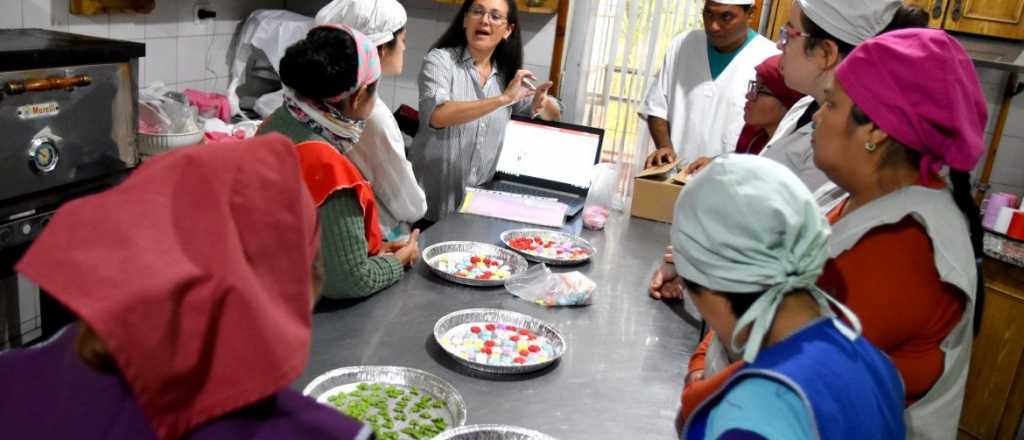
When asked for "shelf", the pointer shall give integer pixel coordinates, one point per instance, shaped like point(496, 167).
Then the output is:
point(542, 7)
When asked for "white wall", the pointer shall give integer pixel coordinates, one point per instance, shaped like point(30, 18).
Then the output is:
point(178, 52)
point(1008, 170)
point(427, 21)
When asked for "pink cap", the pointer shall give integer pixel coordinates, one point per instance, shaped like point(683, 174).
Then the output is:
point(920, 87)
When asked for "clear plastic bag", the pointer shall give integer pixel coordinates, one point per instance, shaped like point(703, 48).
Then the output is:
point(601, 197)
point(538, 285)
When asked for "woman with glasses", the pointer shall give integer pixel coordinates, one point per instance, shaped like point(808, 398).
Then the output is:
point(816, 37)
point(470, 84)
point(768, 100)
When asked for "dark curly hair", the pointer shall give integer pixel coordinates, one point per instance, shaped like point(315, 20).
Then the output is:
point(322, 65)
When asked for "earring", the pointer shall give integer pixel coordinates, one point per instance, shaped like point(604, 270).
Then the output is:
point(870, 146)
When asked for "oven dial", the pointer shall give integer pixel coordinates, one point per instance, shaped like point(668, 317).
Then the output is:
point(5, 235)
point(43, 155)
point(26, 229)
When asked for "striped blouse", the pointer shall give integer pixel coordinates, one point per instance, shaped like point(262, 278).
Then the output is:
point(447, 160)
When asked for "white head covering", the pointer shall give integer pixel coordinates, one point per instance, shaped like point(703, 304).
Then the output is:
point(378, 19)
point(733, 2)
point(746, 224)
point(851, 21)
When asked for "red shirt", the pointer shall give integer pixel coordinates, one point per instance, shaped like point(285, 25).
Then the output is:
point(890, 281)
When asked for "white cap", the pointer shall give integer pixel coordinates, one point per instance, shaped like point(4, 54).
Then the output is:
point(377, 19)
point(851, 21)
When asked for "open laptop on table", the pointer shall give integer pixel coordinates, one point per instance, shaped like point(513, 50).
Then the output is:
point(548, 159)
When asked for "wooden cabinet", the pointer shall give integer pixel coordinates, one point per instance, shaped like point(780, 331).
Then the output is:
point(995, 18)
point(994, 400)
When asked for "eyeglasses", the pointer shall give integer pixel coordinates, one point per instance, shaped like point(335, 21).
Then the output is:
point(786, 32)
point(755, 89)
point(478, 13)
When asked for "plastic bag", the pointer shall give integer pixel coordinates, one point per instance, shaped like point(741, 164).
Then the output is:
point(538, 285)
point(162, 111)
point(601, 197)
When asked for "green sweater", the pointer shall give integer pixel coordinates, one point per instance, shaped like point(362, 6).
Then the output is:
point(350, 272)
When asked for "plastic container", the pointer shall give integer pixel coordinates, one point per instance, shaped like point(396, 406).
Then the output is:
point(153, 144)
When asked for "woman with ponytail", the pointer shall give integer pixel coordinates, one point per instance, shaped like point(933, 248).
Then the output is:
point(904, 244)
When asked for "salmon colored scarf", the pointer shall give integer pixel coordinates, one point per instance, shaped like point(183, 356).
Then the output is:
point(195, 274)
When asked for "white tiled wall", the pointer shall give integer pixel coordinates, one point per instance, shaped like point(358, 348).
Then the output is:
point(179, 52)
point(1008, 170)
point(427, 21)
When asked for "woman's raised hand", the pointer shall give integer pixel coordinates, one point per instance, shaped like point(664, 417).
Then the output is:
point(517, 89)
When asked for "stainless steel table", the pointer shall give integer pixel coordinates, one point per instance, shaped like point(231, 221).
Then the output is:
point(620, 377)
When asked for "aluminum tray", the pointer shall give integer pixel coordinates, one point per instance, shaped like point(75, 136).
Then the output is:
point(516, 263)
point(492, 432)
point(342, 379)
point(548, 234)
point(520, 320)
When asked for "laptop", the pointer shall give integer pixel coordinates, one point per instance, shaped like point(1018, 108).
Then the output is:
point(548, 159)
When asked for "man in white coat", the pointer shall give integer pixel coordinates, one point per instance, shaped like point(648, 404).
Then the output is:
point(694, 108)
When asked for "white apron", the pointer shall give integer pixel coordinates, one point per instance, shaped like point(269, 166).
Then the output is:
point(791, 146)
point(705, 116)
point(937, 414)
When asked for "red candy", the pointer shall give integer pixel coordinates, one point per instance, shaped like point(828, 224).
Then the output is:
point(519, 360)
point(531, 337)
point(510, 328)
point(537, 239)
point(524, 332)
point(491, 327)
point(486, 349)
point(533, 348)
point(524, 352)
point(474, 329)
point(514, 338)
point(488, 343)
point(474, 259)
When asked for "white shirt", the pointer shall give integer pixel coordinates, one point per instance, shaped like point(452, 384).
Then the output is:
point(705, 115)
point(791, 146)
point(380, 156)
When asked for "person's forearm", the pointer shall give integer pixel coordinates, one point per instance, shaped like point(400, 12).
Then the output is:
point(659, 132)
point(460, 112)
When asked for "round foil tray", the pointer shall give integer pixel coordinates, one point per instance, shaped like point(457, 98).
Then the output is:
point(516, 263)
point(340, 379)
point(465, 316)
point(492, 432)
point(546, 234)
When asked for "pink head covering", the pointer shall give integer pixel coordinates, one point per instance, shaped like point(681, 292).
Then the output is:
point(369, 62)
point(920, 87)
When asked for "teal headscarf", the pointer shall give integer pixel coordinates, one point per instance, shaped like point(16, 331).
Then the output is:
point(747, 224)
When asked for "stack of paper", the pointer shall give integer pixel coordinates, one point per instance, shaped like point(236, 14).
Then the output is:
point(516, 207)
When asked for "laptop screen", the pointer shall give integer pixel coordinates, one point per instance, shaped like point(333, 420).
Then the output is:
point(551, 154)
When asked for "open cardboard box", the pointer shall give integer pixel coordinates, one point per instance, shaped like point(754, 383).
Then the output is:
point(655, 191)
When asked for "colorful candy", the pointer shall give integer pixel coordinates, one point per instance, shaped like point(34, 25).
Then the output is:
point(475, 267)
point(551, 249)
point(497, 344)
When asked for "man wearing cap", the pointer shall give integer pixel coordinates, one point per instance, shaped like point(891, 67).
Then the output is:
point(694, 107)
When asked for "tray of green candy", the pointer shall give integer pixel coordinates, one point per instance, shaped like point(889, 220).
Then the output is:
point(399, 403)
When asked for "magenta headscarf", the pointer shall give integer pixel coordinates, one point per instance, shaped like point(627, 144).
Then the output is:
point(920, 87)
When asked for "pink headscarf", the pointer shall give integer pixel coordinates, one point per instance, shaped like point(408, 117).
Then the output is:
point(369, 62)
point(920, 87)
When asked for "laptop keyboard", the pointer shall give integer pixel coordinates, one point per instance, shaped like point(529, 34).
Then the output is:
point(534, 191)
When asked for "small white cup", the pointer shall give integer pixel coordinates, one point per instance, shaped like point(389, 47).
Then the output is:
point(1003, 220)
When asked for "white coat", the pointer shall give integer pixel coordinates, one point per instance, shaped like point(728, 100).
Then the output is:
point(380, 156)
point(705, 116)
point(791, 146)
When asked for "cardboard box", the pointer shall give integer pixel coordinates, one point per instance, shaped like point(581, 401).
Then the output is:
point(655, 191)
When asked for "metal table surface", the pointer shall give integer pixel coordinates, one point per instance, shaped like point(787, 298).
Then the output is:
point(620, 376)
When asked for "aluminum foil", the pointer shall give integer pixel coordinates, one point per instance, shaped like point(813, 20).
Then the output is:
point(520, 320)
point(342, 379)
point(492, 432)
point(547, 234)
point(516, 263)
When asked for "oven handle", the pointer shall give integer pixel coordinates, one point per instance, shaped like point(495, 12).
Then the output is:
point(42, 85)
